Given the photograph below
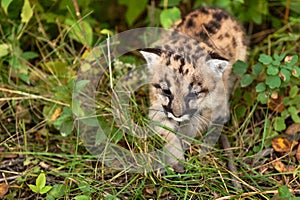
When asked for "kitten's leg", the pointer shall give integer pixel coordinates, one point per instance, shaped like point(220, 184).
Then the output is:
point(172, 152)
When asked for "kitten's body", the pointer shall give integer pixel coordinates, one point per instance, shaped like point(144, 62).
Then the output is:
point(191, 76)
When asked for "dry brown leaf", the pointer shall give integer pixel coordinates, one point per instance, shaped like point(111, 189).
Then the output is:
point(283, 144)
point(150, 190)
point(3, 189)
point(276, 103)
point(279, 166)
point(293, 128)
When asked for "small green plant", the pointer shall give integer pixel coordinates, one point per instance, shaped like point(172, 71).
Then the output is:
point(274, 77)
point(40, 185)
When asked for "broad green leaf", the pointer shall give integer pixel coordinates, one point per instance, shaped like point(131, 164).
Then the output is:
point(5, 4)
point(169, 16)
point(40, 181)
point(262, 98)
point(294, 91)
point(296, 72)
point(45, 189)
point(285, 75)
point(34, 188)
point(273, 81)
point(260, 87)
point(134, 9)
point(246, 80)
point(257, 68)
point(4, 50)
point(27, 12)
point(272, 70)
point(239, 67)
point(265, 59)
point(279, 124)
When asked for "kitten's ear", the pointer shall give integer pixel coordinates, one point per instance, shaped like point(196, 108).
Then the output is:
point(152, 57)
point(217, 65)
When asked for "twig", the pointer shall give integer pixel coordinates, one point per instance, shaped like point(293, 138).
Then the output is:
point(231, 166)
point(9, 178)
point(33, 96)
point(287, 11)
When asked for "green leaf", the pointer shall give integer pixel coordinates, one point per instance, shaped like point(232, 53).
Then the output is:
point(262, 98)
point(272, 70)
point(5, 4)
point(257, 68)
point(40, 181)
point(29, 55)
point(246, 80)
point(58, 191)
point(240, 112)
point(169, 16)
point(81, 31)
point(279, 58)
point(24, 77)
point(279, 124)
point(134, 9)
point(284, 192)
point(45, 189)
point(294, 114)
point(239, 67)
point(285, 75)
point(4, 50)
point(293, 91)
point(27, 12)
point(261, 87)
point(296, 72)
point(294, 60)
point(273, 81)
point(33, 188)
point(265, 59)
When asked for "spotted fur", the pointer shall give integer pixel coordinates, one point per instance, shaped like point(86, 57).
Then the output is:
point(191, 76)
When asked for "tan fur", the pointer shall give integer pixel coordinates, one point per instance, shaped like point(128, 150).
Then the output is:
point(190, 80)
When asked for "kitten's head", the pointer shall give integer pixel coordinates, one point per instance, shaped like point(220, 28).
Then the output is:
point(184, 85)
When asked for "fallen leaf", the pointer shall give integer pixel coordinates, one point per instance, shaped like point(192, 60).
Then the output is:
point(283, 144)
point(150, 190)
point(293, 128)
point(279, 166)
point(3, 189)
point(276, 103)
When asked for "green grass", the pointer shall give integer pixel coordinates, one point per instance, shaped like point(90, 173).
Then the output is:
point(38, 66)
